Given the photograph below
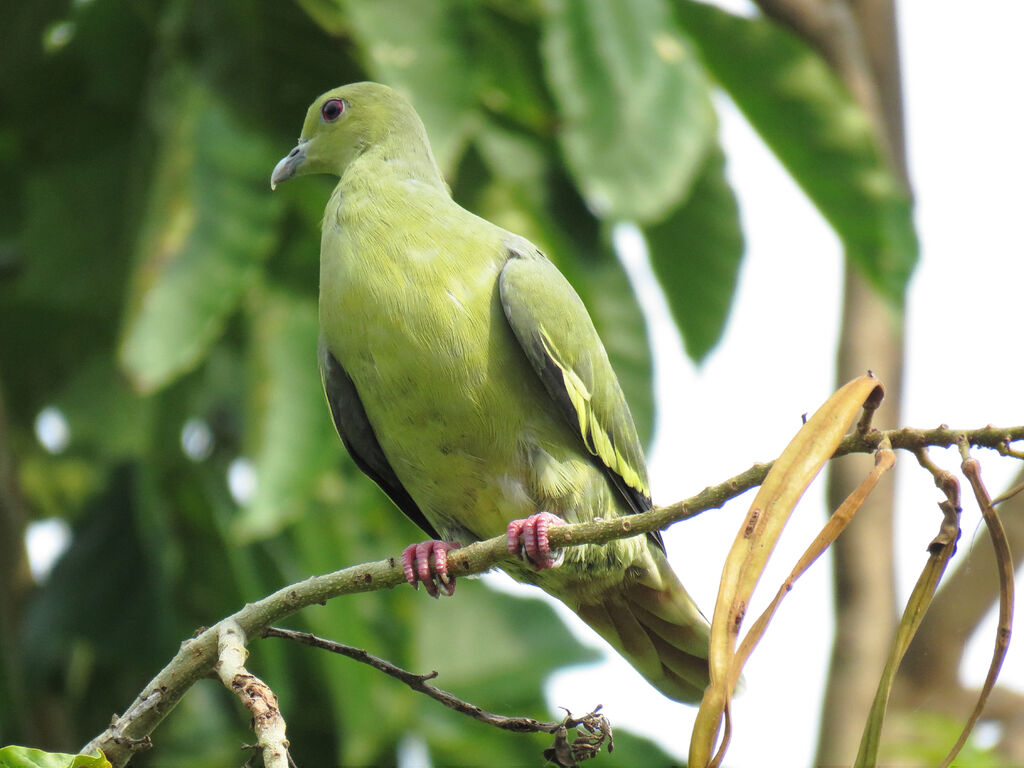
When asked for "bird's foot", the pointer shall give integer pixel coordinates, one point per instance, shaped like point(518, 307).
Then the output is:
point(535, 540)
point(427, 562)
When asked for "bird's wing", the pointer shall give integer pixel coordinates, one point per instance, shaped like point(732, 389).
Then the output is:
point(357, 434)
point(560, 341)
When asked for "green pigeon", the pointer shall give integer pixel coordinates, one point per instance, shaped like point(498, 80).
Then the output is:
point(466, 378)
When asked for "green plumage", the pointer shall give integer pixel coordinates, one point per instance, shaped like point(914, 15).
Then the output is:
point(467, 379)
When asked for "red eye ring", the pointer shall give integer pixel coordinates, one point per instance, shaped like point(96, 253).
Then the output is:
point(332, 109)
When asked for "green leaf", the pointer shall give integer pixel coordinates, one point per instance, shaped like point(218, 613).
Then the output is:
point(60, 302)
point(69, 206)
point(328, 16)
point(418, 49)
point(637, 118)
point(695, 253)
point(210, 222)
point(296, 444)
point(506, 59)
point(819, 133)
point(515, 159)
point(26, 757)
point(74, 201)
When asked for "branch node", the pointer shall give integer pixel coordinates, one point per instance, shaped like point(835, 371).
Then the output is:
point(596, 731)
point(1004, 449)
point(870, 406)
point(135, 745)
point(964, 447)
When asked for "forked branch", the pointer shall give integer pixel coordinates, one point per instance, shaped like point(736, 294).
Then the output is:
point(129, 732)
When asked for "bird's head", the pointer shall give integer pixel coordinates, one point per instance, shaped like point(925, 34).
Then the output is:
point(342, 124)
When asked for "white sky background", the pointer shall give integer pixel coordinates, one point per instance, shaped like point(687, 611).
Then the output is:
point(963, 70)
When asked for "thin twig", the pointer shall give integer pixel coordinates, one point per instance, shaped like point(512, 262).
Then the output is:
point(419, 684)
point(910, 439)
point(1005, 450)
point(868, 410)
point(596, 727)
point(1004, 564)
point(945, 481)
point(1007, 495)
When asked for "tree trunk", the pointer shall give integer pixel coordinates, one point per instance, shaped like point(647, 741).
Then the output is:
point(863, 559)
point(858, 39)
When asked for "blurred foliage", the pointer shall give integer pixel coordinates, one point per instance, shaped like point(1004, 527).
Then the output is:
point(925, 738)
point(149, 279)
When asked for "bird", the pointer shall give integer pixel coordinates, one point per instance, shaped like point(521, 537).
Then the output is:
point(465, 377)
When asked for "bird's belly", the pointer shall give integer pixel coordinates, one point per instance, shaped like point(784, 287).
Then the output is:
point(461, 465)
point(451, 397)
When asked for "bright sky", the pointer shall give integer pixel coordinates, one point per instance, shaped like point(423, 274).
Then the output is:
point(965, 126)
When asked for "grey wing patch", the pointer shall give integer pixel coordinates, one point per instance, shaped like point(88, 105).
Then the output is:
point(530, 288)
point(357, 434)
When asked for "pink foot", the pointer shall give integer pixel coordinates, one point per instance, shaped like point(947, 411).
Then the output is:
point(535, 540)
point(428, 562)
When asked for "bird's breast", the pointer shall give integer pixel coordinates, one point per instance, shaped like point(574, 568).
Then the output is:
point(420, 330)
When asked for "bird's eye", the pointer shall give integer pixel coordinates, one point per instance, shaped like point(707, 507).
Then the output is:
point(332, 110)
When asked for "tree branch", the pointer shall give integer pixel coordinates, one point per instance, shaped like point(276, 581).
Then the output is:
point(128, 733)
point(586, 745)
point(255, 695)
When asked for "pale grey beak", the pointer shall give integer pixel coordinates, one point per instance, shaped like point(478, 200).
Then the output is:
point(288, 164)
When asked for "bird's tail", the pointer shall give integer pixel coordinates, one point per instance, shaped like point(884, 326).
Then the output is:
point(657, 627)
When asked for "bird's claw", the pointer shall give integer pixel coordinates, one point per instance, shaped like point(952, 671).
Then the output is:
point(427, 562)
point(535, 545)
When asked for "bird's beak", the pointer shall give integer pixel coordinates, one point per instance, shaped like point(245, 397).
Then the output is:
point(289, 164)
